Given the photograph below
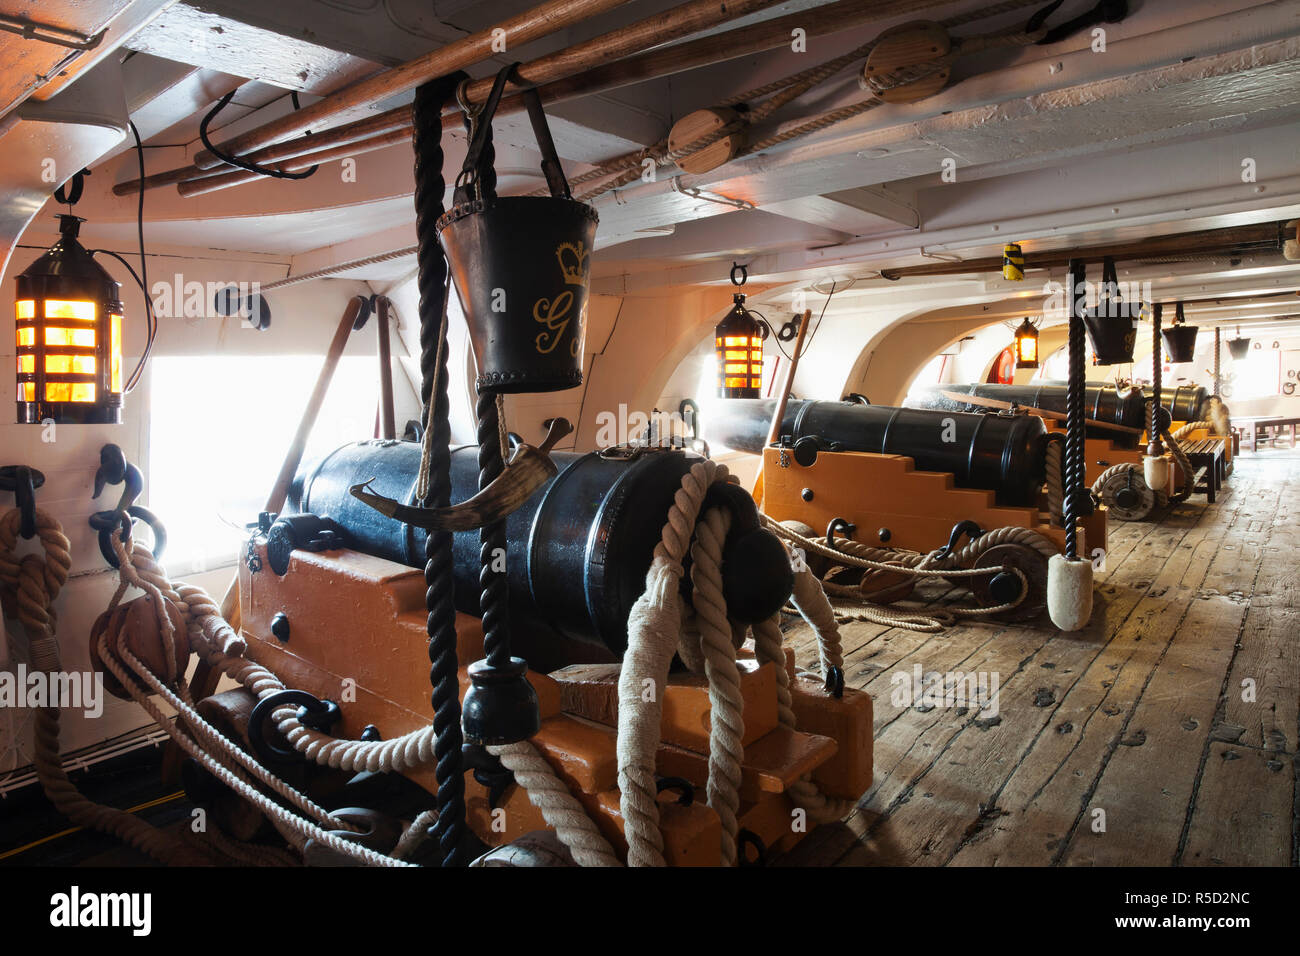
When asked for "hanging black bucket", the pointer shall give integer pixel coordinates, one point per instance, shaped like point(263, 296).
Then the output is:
point(1112, 323)
point(521, 265)
point(1180, 339)
point(1239, 348)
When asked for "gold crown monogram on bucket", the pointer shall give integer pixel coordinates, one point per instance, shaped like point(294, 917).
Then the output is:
point(573, 267)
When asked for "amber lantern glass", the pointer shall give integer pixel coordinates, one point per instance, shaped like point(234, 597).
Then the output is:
point(738, 345)
point(1027, 345)
point(68, 331)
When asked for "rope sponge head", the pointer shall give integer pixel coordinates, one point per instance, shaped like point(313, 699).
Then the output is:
point(1155, 471)
point(1069, 592)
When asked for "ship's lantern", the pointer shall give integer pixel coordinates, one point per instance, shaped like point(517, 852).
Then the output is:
point(1027, 345)
point(69, 337)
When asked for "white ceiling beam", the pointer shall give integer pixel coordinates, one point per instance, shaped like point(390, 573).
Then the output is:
point(825, 211)
point(1206, 82)
point(187, 34)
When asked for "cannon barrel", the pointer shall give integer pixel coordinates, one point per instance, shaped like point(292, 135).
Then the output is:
point(1185, 403)
point(579, 548)
point(1103, 402)
point(1000, 453)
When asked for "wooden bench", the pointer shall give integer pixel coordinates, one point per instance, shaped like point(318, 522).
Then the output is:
point(1208, 459)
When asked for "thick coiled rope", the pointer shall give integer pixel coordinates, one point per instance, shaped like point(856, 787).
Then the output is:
point(921, 565)
point(560, 808)
point(1055, 482)
point(654, 627)
point(28, 587)
point(532, 771)
point(726, 713)
point(655, 632)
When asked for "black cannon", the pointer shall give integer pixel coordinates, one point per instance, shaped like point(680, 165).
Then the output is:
point(1000, 453)
point(578, 549)
point(1102, 402)
point(1186, 403)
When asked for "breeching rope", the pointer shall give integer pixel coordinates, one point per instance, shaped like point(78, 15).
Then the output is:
point(629, 167)
point(955, 564)
point(658, 627)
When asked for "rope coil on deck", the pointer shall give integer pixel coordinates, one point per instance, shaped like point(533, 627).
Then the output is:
point(921, 565)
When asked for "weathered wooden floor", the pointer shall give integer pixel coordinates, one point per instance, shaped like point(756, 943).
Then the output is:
point(1164, 734)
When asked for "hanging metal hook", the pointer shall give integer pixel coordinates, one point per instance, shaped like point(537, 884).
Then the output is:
point(23, 482)
point(966, 527)
point(115, 469)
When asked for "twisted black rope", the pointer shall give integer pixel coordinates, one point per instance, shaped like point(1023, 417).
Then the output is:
point(1153, 431)
point(1072, 467)
point(434, 288)
point(495, 593)
point(1216, 360)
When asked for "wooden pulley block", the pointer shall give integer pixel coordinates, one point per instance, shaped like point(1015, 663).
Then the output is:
point(228, 712)
point(994, 589)
point(135, 626)
point(886, 587)
point(876, 586)
point(908, 45)
point(701, 123)
point(1291, 246)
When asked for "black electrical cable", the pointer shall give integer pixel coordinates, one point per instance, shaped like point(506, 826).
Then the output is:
point(236, 161)
point(816, 328)
point(444, 674)
point(142, 280)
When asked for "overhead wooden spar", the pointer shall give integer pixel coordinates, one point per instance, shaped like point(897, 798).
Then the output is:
point(1263, 237)
point(540, 21)
point(589, 72)
point(680, 21)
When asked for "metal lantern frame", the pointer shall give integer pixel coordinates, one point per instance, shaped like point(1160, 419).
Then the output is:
point(68, 334)
point(1026, 345)
point(738, 346)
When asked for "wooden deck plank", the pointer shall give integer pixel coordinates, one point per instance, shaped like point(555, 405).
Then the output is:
point(1147, 785)
point(1244, 811)
point(1043, 800)
point(966, 785)
point(1137, 715)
